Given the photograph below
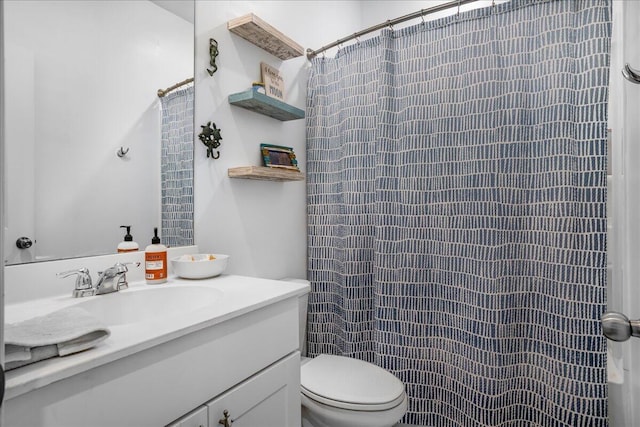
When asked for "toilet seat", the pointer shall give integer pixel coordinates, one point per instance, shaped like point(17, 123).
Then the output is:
point(352, 384)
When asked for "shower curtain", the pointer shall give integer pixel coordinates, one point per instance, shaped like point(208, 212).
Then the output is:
point(177, 168)
point(456, 174)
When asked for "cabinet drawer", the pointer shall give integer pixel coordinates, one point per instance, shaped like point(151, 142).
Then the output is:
point(196, 418)
point(270, 398)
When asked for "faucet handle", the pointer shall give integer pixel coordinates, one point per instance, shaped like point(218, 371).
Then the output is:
point(121, 269)
point(117, 268)
point(83, 286)
point(134, 263)
point(114, 278)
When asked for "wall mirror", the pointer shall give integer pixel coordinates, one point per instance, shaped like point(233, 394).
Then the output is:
point(81, 86)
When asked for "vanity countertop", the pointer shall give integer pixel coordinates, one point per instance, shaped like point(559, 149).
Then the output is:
point(238, 295)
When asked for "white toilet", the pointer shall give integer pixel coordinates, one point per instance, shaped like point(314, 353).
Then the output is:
point(339, 391)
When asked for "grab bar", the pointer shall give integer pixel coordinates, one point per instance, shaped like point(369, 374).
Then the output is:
point(630, 74)
point(617, 327)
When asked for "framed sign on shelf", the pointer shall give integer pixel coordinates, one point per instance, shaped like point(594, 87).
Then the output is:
point(277, 156)
point(273, 81)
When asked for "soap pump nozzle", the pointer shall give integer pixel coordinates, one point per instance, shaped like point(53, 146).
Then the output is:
point(128, 245)
point(127, 237)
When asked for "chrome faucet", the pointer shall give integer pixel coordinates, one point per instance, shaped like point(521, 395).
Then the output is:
point(83, 282)
point(113, 279)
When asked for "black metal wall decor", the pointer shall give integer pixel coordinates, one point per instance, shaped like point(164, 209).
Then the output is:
point(211, 137)
point(213, 53)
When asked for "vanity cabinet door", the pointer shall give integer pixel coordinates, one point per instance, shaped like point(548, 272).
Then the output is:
point(196, 418)
point(270, 398)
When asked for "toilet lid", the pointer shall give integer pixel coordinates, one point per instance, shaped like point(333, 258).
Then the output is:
point(347, 383)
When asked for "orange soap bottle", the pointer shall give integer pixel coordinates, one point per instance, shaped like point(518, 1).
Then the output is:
point(155, 261)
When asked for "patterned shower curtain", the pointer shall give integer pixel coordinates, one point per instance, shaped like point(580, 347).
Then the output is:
point(177, 168)
point(456, 212)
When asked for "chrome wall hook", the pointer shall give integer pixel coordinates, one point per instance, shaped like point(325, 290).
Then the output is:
point(630, 74)
point(122, 152)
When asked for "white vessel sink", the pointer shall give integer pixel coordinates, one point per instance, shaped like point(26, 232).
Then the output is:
point(148, 303)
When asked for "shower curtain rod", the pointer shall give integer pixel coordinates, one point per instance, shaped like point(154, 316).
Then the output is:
point(389, 23)
point(162, 93)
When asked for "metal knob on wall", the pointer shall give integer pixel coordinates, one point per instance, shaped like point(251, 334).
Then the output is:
point(24, 243)
point(617, 327)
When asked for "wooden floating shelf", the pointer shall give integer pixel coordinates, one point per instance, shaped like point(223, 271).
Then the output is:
point(267, 105)
point(263, 35)
point(263, 173)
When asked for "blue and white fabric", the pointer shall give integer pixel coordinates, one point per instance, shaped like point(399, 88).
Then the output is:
point(456, 174)
point(177, 168)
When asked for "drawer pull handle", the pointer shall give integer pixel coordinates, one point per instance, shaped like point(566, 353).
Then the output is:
point(226, 421)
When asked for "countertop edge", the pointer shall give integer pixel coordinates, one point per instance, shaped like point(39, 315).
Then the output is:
point(32, 377)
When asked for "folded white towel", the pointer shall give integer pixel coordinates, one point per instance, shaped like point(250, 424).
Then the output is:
point(60, 333)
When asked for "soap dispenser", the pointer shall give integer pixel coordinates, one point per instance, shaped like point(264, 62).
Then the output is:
point(155, 261)
point(128, 245)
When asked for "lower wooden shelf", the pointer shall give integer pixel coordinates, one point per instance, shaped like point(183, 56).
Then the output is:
point(263, 173)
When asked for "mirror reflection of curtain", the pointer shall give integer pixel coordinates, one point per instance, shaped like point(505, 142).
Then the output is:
point(177, 168)
point(456, 176)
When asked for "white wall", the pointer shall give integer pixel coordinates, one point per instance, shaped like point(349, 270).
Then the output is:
point(620, 395)
point(2, 190)
point(375, 12)
point(629, 128)
point(260, 224)
point(75, 97)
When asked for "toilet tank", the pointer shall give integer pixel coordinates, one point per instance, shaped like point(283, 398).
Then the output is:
point(302, 316)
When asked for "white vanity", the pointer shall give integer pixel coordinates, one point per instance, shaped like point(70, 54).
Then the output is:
point(234, 349)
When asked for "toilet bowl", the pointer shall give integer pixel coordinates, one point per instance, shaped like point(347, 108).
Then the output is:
point(338, 391)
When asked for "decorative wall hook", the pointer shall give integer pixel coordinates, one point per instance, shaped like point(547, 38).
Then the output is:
point(210, 136)
point(213, 53)
point(122, 152)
